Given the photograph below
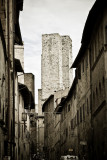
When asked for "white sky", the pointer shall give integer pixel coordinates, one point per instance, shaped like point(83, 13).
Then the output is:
point(66, 17)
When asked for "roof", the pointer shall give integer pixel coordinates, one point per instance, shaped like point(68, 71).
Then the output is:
point(18, 37)
point(18, 66)
point(64, 99)
point(93, 16)
point(43, 107)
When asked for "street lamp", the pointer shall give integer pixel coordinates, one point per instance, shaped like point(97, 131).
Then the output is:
point(24, 118)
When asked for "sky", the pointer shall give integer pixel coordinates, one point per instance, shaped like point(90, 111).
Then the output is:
point(66, 17)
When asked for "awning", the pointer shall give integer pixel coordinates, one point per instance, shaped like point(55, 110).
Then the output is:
point(18, 66)
point(25, 94)
point(32, 104)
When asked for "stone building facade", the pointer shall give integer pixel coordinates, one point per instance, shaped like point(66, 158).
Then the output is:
point(68, 122)
point(16, 100)
point(56, 76)
point(83, 124)
point(52, 125)
point(24, 105)
point(93, 51)
point(48, 109)
point(9, 35)
point(91, 69)
point(98, 56)
point(3, 58)
point(56, 61)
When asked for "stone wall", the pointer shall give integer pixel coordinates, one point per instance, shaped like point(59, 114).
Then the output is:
point(56, 59)
point(67, 75)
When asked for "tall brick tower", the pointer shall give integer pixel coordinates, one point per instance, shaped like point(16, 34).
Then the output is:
point(56, 61)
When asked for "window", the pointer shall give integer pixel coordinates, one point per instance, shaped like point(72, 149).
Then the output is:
point(19, 99)
point(103, 81)
point(87, 61)
point(100, 87)
point(62, 116)
point(79, 72)
point(19, 130)
point(76, 73)
point(83, 112)
point(22, 131)
point(11, 128)
point(66, 132)
point(19, 149)
point(77, 117)
point(68, 107)
point(3, 111)
point(95, 49)
point(75, 121)
point(74, 93)
point(2, 2)
point(83, 66)
point(72, 126)
point(90, 103)
point(80, 114)
point(87, 107)
point(64, 111)
point(93, 98)
point(96, 92)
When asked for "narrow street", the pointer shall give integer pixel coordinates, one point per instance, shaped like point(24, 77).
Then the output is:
point(53, 89)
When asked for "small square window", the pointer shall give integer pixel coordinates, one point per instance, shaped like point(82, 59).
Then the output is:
point(68, 107)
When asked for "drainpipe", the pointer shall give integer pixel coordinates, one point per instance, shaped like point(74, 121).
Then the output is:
point(13, 83)
point(8, 50)
point(11, 136)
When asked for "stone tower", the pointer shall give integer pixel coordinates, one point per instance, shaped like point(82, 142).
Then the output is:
point(56, 61)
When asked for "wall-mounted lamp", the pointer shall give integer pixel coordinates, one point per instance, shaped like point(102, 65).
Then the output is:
point(24, 116)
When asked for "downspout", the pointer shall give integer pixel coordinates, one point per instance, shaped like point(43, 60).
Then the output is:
point(18, 126)
point(8, 50)
point(13, 83)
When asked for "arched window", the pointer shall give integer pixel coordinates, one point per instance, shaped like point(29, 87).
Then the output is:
point(93, 98)
point(87, 106)
point(96, 92)
point(103, 81)
point(99, 87)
